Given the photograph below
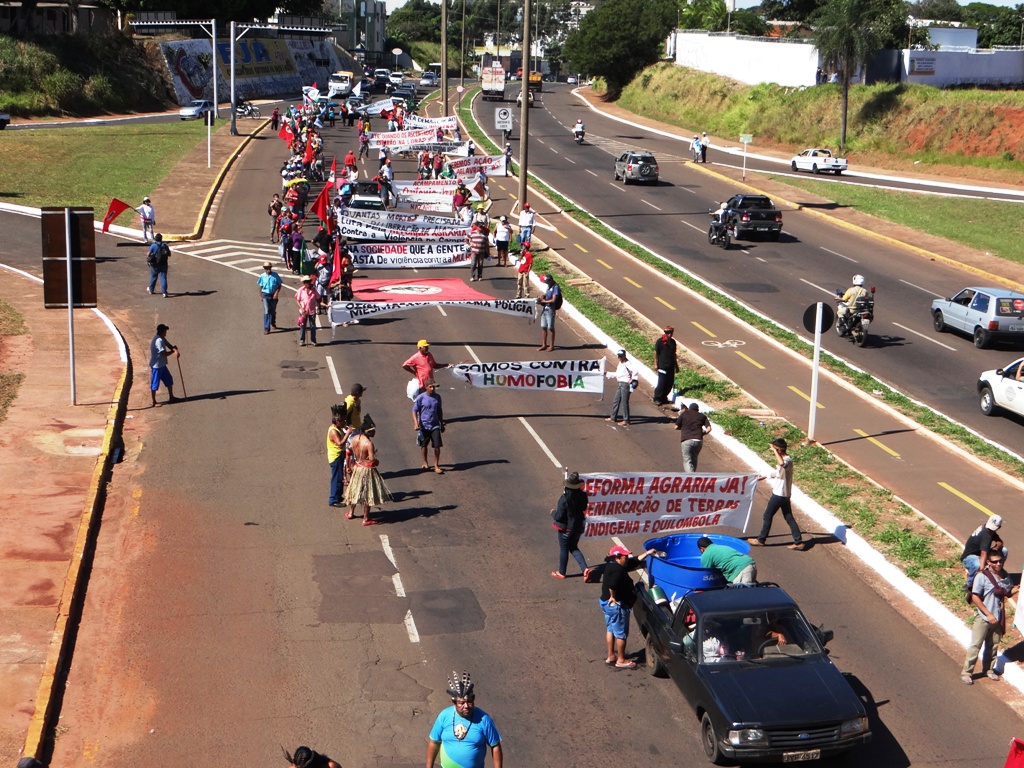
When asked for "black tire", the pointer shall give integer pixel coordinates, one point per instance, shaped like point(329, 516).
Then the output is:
point(255, 114)
point(937, 322)
point(616, 174)
point(815, 170)
point(862, 339)
point(625, 179)
point(709, 740)
point(982, 338)
point(724, 240)
point(654, 664)
point(986, 402)
point(792, 166)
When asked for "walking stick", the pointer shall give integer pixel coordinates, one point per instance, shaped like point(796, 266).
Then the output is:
point(181, 378)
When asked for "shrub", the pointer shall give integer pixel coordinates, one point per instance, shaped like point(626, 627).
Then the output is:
point(63, 89)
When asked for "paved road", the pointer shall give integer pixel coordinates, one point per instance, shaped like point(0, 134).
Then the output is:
point(230, 606)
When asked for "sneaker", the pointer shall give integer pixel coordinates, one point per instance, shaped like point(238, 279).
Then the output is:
point(165, 295)
point(149, 291)
point(755, 542)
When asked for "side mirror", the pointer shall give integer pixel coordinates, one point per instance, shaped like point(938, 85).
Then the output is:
point(999, 371)
point(824, 635)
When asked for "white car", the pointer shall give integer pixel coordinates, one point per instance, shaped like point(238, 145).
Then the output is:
point(1002, 388)
point(818, 160)
point(429, 80)
point(397, 78)
point(570, 80)
point(195, 109)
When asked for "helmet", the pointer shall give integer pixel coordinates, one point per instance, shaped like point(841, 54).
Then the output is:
point(858, 279)
point(145, 199)
point(723, 207)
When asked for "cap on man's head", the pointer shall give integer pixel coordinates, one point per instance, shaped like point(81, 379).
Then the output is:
point(526, 205)
point(429, 383)
point(145, 199)
point(994, 523)
point(160, 328)
point(422, 343)
point(307, 279)
point(621, 353)
point(358, 389)
point(618, 551)
point(694, 407)
point(267, 265)
point(549, 279)
point(703, 543)
point(778, 442)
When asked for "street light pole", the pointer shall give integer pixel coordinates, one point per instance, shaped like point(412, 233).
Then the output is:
point(444, 57)
point(524, 109)
point(462, 58)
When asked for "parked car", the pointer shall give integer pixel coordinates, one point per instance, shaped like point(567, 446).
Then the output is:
point(985, 314)
point(195, 109)
point(381, 82)
point(754, 215)
point(429, 80)
point(570, 80)
point(755, 672)
point(636, 165)
point(1002, 388)
point(818, 160)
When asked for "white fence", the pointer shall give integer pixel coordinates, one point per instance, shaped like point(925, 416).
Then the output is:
point(980, 67)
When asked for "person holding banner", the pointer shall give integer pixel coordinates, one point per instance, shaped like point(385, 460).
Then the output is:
point(628, 380)
point(569, 518)
point(551, 303)
point(422, 365)
point(147, 215)
point(782, 489)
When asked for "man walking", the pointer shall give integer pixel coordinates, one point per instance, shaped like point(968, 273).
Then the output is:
point(270, 288)
point(462, 734)
point(147, 215)
point(527, 219)
point(428, 421)
point(523, 268)
point(336, 435)
point(476, 241)
point(627, 380)
point(551, 303)
point(308, 302)
point(692, 426)
point(569, 519)
point(159, 350)
point(782, 489)
point(736, 567)
point(157, 258)
point(988, 595)
point(666, 363)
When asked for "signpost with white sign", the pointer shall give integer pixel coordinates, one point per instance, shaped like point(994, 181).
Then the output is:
point(746, 138)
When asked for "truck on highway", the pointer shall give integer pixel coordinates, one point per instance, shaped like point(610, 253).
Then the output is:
point(754, 215)
point(492, 83)
point(339, 85)
point(536, 82)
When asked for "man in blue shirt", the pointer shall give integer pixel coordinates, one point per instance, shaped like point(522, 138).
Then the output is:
point(428, 421)
point(270, 286)
point(550, 304)
point(462, 733)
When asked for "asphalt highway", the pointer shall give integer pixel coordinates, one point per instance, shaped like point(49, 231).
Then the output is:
point(231, 612)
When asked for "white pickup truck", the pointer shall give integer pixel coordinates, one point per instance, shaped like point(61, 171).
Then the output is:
point(818, 160)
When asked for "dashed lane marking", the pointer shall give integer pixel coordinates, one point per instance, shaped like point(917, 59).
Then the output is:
point(334, 376)
point(841, 256)
point(541, 443)
point(926, 338)
point(933, 293)
point(750, 360)
point(695, 324)
point(605, 264)
point(691, 226)
point(966, 498)
point(632, 282)
point(879, 443)
point(806, 397)
point(592, 173)
point(659, 299)
point(646, 202)
point(581, 247)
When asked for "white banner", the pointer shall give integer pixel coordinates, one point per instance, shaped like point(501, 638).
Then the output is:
point(585, 376)
point(410, 220)
point(357, 229)
point(449, 123)
point(394, 139)
point(347, 311)
point(374, 110)
point(649, 503)
point(401, 255)
point(469, 167)
point(431, 190)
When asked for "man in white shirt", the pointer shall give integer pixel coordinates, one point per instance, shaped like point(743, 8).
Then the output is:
point(628, 379)
point(526, 222)
point(782, 489)
point(148, 217)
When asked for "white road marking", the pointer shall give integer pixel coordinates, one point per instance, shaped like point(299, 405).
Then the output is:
point(441, 310)
point(410, 627)
point(591, 172)
point(399, 588)
point(650, 204)
point(616, 186)
point(824, 290)
point(926, 338)
point(334, 376)
point(841, 256)
point(569, 159)
point(687, 189)
point(385, 544)
point(761, 259)
point(540, 442)
point(692, 225)
point(933, 293)
point(472, 354)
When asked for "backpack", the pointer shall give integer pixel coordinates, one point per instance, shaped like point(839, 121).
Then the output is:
point(557, 304)
point(997, 590)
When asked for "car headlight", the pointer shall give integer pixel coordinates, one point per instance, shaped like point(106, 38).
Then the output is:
point(854, 726)
point(747, 737)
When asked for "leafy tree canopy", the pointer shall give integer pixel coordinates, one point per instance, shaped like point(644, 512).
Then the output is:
point(938, 10)
point(416, 21)
point(789, 10)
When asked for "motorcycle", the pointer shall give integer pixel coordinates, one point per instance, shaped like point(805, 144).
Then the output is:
point(858, 320)
point(718, 233)
point(246, 109)
point(578, 135)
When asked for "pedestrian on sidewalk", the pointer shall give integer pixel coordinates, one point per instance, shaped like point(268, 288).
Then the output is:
point(782, 489)
point(157, 258)
point(666, 363)
point(704, 147)
point(627, 379)
point(270, 288)
point(274, 211)
point(508, 159)
point(502, 238)
point(692, 426)
point(527, 219)
point(551, 303)
point(428, 421)
point(365, 487)
point(988, 595)
point(523, 268)
point(147, 215)
point(275, 119)
point(308, 302)
point(569, 519)
point(337, 434)
point(159, 350)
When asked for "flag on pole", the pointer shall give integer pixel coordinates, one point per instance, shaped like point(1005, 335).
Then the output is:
point(334, 172)
point(308, 157)
point(320, 206)
point(286, 132)
point(336, 273)
point(117, 207)
point(358, 90)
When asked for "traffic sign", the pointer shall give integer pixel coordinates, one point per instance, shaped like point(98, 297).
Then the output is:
point(828, 316)
point(746, 138)
point(502, 119)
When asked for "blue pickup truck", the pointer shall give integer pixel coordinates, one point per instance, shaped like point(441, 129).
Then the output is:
point(754, 670)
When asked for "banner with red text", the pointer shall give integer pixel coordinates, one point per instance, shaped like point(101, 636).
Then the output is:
point(449, 123)
point(469, 167)
point(405, 255)
point(585, 376)
point(653, 503)
point(396, 139)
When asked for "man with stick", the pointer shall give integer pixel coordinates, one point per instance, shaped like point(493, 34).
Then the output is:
point(159, 350)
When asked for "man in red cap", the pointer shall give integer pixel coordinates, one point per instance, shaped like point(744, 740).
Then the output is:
point(527, 219)
point(617, 598)
point(523, 268)
point(422, 365)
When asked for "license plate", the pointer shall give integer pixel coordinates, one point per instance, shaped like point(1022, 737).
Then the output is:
point(762, 229)
point(802, 756)
point(1017, 328)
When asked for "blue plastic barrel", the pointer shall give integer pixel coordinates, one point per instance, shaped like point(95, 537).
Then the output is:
point(679, 572)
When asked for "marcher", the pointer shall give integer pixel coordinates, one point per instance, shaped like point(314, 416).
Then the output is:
point(157, 257)
point(295, 249)
point(628, 379)
point(275, 119)
point(692, 426)
point(350, 161)
point(523, 268)
point(305, 757)
point(736, 567)
point(274, 211)
point(337, 434)
point(462, 735)
point(551, 303)
point(270, 288)
point(307, 300)
point(704, 147)
point(568, 519)
point(476, 241)
point(365, 485)
point(147, 215)
point(428, 421)
point(988, 594)
point(508, 159)
point(666, 363)
point(782, 489)
point(983, 543)
point(422, 364)
point(481, 184)
point(695, 148)
point(617, 598)
point(527, 219)
point(354, 406)
point(460, 198)
point(502, 238)
point(159, 350)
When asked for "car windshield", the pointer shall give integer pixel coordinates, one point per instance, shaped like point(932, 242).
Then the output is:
point(756, 636)
point(644, 159)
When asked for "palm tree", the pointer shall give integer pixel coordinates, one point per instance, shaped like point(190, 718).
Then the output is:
point(846, 39)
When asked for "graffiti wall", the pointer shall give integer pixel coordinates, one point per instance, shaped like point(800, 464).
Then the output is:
point(263, 67)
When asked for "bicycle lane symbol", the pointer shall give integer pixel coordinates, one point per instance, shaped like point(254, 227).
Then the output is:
point(730, 344)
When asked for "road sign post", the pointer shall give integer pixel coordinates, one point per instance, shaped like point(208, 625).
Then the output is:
point(503, 119)
point(746, 138)
point(817, 318)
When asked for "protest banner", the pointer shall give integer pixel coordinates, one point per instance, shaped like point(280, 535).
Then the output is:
point(652, 503)
point(357, 229)
point(404, 255)
point(471, 166)
point(449, 123)
point(430, 190)
point(394, 139)
point(347, 311)
point(392, 218)
point(585, 376)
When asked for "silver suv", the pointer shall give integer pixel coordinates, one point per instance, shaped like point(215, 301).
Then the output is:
point(985, 314)
point(636, 165)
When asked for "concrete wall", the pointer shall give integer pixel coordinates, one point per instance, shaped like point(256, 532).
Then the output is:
point(750, 60)
point(981, 67)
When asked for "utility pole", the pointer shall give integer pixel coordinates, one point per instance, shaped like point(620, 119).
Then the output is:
point(444, 57)
point(524, 110)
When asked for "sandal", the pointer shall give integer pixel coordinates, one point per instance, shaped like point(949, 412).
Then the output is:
point(994, 676)
point(966, 679)
point(625, 665)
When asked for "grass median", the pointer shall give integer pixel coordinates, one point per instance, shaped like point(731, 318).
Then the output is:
point(11, 324)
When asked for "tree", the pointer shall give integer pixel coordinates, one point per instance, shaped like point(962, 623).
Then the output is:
point(619, 38)
point(846, 38)
point(418, 21)
point(996, 25)
point(937, 10)
point(789, 10)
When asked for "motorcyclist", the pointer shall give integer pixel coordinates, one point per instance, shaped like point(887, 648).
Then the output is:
point(720, 218)
point(854, 292)
point(579, 130)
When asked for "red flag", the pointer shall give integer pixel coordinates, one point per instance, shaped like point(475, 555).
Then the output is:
point(336, 274)
point(117, 207)
point(334, 172)
point(308, 157)
point(286, 132)
point(320, 206)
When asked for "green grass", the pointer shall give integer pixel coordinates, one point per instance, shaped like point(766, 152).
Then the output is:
point(89, 166)
point(11, 324)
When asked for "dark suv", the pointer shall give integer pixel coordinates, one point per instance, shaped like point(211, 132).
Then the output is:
point(636, 165)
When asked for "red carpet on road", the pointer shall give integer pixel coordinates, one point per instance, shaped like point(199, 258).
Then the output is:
point(417, 289)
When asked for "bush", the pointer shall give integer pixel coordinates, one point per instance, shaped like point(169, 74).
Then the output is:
point(64, 89)
point(101, 91)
